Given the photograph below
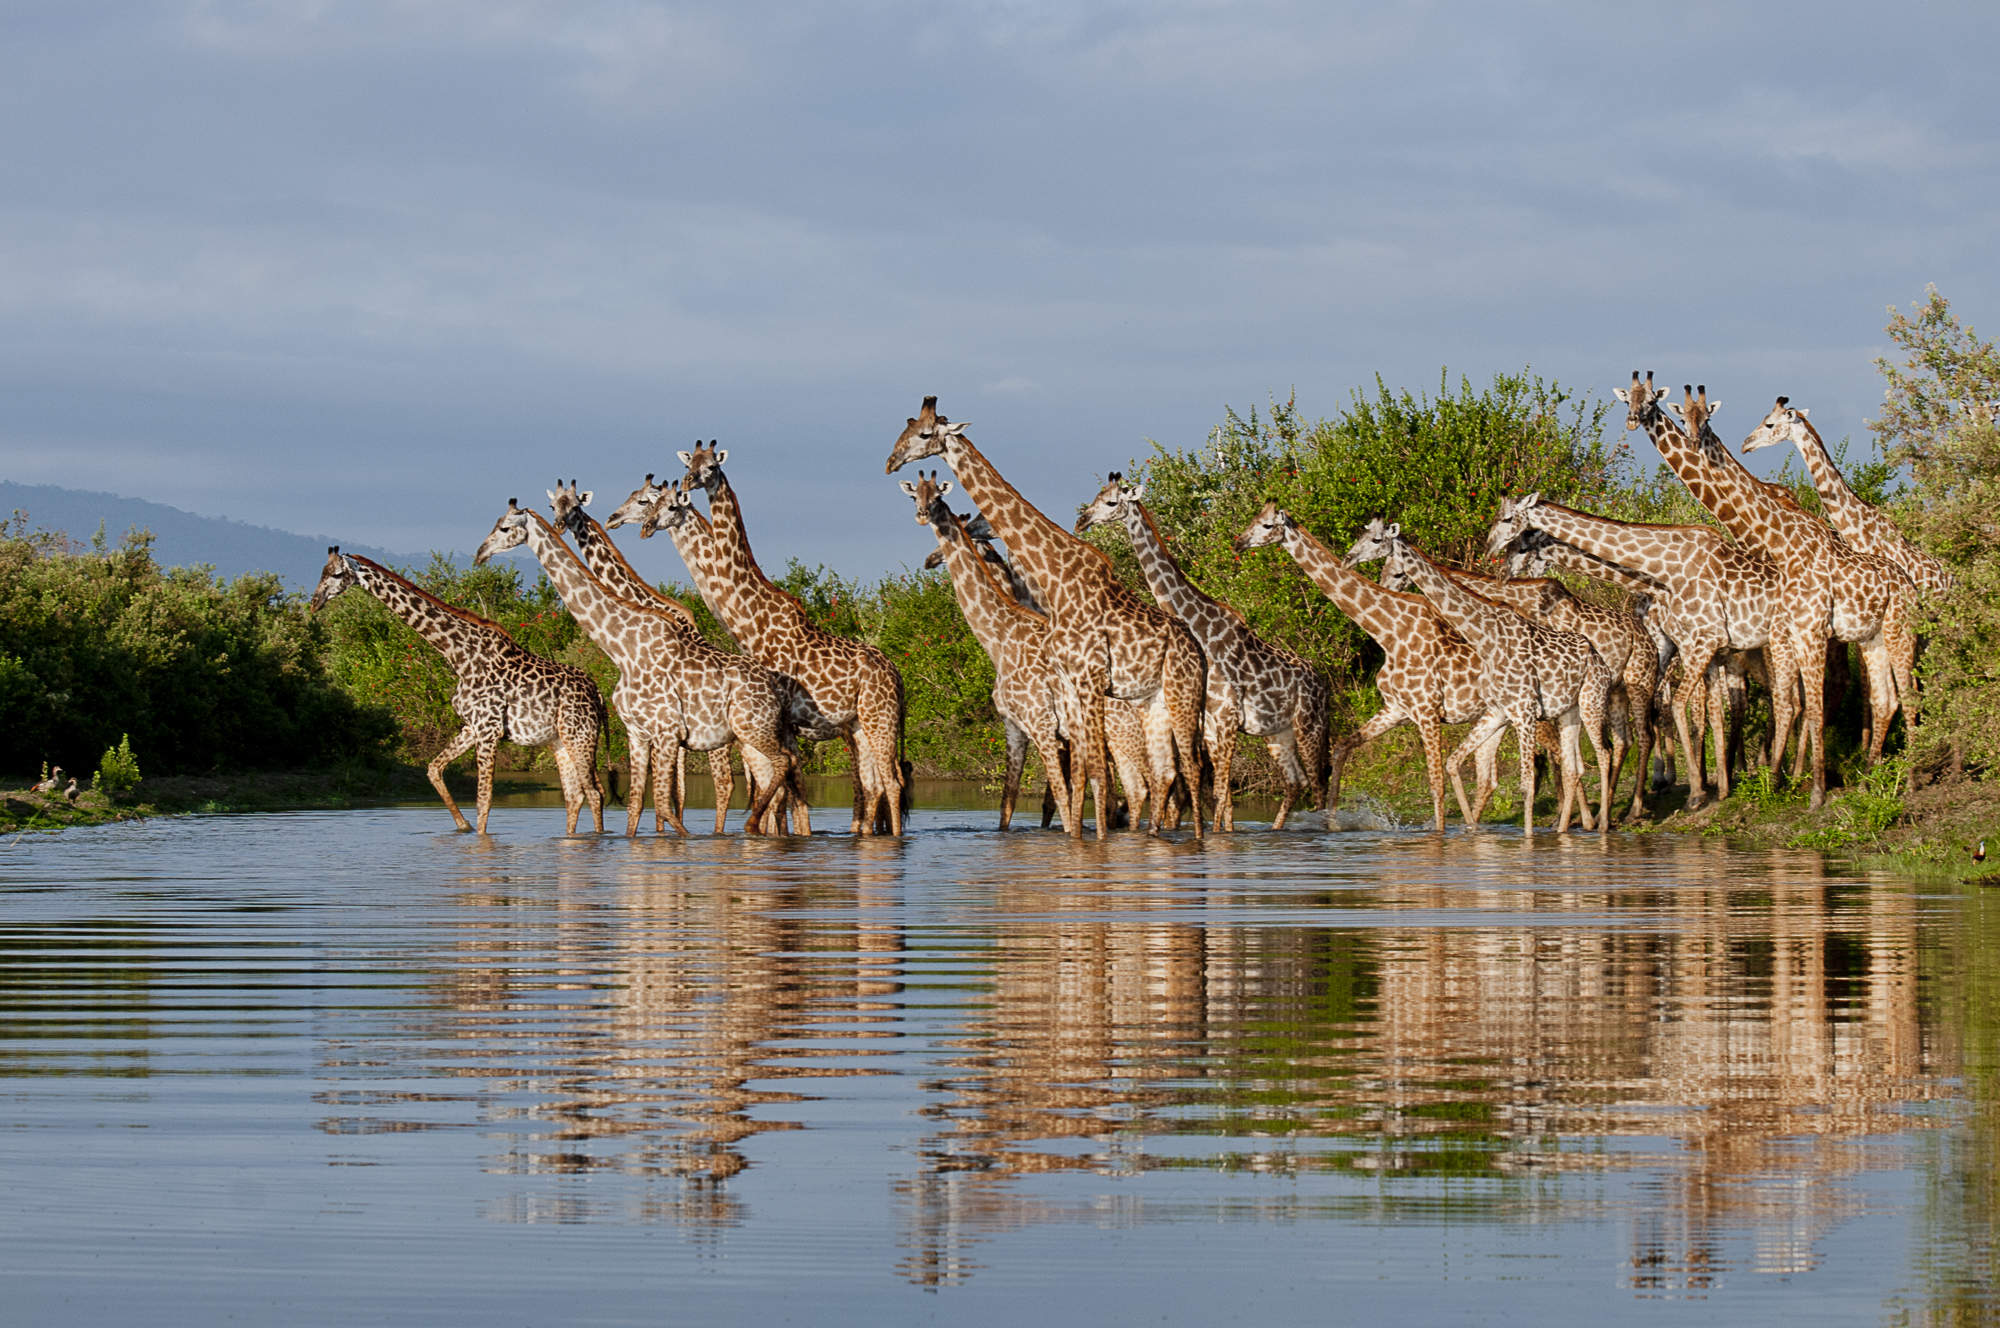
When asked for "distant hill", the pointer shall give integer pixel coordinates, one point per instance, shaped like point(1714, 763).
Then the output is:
point(182, 538)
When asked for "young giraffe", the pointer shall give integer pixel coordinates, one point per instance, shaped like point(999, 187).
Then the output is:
point(1711, 597)
point(1147, 655)
point(1828, 591)
point(1528, 673)
point(1620, 639)
point(1124, 730)
point(609, 565)
point(1270, 691)
point(1861, 523)
point(671, 691)
point(503, 690)
point(850, 682)
point(1429, 675)
point(1028, 688)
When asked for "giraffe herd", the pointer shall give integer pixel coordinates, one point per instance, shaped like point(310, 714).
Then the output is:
point(1103, 684)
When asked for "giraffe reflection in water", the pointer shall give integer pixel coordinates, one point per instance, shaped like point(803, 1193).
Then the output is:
point(1733, 1049)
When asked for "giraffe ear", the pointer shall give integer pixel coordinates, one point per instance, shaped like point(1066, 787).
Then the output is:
point(1714, 406)
point(1802, 411)
point(907, 488)
point(722, 456)
point(1531, 499)
point(583, 496)
point(1134, 492)
point(555, 496)
point(1622, 395)
point(956, 427)
point(1393, 531)
point(687, 458)
point(943, 488)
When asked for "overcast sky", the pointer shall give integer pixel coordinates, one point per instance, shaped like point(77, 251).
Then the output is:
point(369, 269)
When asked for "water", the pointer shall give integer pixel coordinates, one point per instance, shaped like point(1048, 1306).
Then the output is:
point(329, 1067)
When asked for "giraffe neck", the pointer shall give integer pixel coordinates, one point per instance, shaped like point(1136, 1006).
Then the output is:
point(1169, 584)
point(1529, 595)
point(1474, 617)
point(1589, 564)
point(1382, 613)
point(607, 562)
point(1660, 552)
point(750, 592)
point(1064, 572)
point(1747, 508)
point(988, 608)
point(1844, 509)
point(463, 638)
point(605, 618)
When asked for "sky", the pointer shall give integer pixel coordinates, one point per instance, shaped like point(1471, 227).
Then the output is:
point(367, 270)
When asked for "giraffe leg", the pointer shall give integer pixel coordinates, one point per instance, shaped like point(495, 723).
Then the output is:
point(1284, 749)
point(640, 757)
point(488, 750)
point(1881, 695)
point(1640, 703)
point(1048, 747)
point(1486, 764)
point(572, 794)
point(722, 774)
point(1219, 735)
point(1017, 758)
point(456, 748)
point(1592, 710)
point(765, 761)
point(1061, 753)
point(1486, 731)
point(854, 766)
point(1812, 681)
point(1524, 738)
point(1378, 724)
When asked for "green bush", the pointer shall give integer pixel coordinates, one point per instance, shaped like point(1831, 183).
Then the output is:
point(117, 770)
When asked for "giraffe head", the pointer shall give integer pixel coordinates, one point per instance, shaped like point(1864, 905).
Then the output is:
point(1785, 424)
point(1694, 411)
point(1378, 540)
point(1982, 413)
point(1111, 503)
point(1517, 518)
point(1528, 553)
point(634, 507)
point(928, 494)
point(567, 504)
point(1641, 400)
point(669, 511)
point(926, 435)
point(336, 576)
point(509, 532)
point(704, 463)
point(1267, 529)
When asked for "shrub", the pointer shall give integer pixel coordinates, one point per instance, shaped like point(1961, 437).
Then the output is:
point(117, 770)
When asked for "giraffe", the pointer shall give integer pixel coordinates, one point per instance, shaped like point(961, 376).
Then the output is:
point(1269, 691)
point(1028, 689)
point(1710, 596)
point(1827, 590)
point(671, 691)
point(503, 690)
point(1862, 524)
point(1124, 729)
point(1147, 655)
point(1429, 675)
point(851, 683)
point(1528, 673)
point(610, 566)
point(1619, 637)
point(1535, 553)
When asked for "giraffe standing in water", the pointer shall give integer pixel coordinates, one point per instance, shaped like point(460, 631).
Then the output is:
point(1429, 675)
point(671, 691)
point(852, 684)
point(504, 691)
point(1528, 673)
point(1268, 691)
point(1029, 692)
point(1141, 653)
point(610, 566)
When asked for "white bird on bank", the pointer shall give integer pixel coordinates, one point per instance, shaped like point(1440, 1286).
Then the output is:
point(49, 785)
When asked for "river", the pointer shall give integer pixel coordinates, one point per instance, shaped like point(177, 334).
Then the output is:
point(347, 1066)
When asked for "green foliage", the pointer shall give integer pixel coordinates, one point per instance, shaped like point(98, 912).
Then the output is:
point(1954, 460)
point(1864, 812)
point(1440, 465)
point(202, 674)
point(117, 770)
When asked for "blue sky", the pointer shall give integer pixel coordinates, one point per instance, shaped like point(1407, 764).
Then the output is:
point(369, 269)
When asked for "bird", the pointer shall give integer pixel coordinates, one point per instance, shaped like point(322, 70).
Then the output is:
point(51, 784)
point(72, 792)
point(1979, 854)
